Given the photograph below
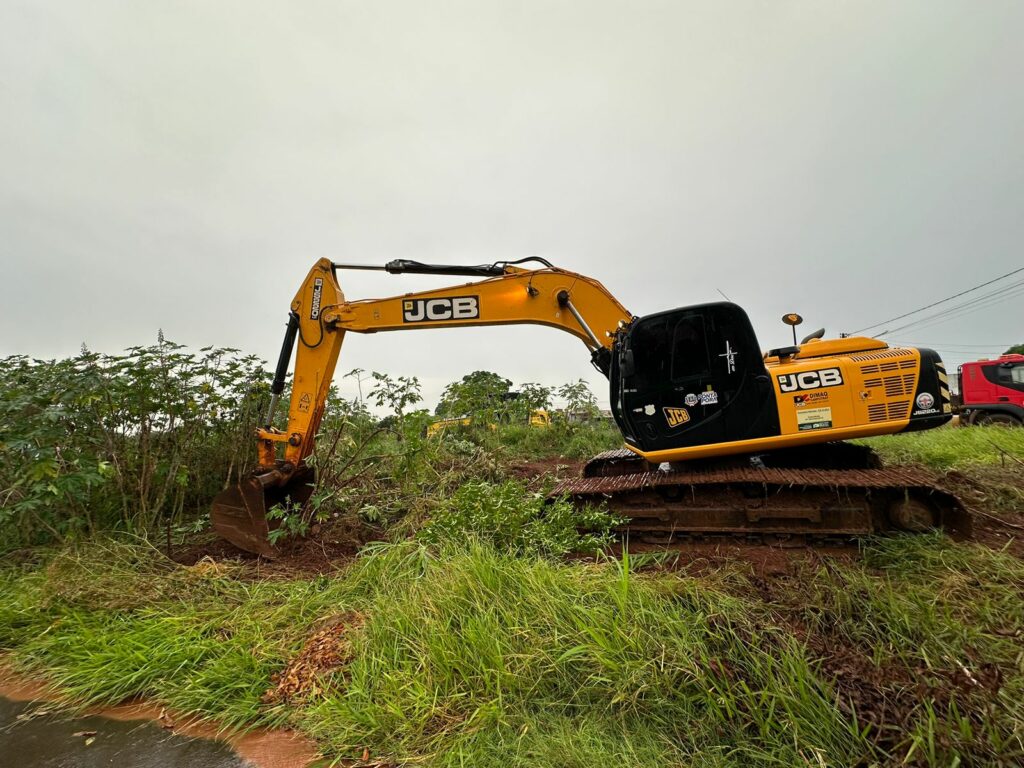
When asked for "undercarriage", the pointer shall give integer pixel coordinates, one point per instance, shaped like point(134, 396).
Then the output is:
point(836, 491)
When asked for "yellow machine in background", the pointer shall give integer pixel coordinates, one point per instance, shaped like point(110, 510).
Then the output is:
point(686, 386)
point(537, 418)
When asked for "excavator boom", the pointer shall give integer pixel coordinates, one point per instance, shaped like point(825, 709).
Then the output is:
point(320, 317)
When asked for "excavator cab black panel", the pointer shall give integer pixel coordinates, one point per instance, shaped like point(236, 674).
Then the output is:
point(692, 376)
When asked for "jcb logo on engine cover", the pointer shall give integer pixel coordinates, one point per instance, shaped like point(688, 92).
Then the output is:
point(794, 382)
point(451, 308)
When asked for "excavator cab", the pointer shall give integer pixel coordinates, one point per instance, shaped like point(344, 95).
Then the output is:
point(691, 376)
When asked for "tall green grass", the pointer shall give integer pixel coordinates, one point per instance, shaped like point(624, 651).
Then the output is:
point(471, 655)
point(952, 447)
point(951, 616)
point(485, 659)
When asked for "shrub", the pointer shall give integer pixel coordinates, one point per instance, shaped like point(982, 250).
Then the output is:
point(515, 520)
point(120, 441)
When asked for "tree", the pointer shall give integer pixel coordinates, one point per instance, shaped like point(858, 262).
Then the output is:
point(481, 394)
point(396, 394)
point(532, 397)
point(1016, 349)
point(580, 402)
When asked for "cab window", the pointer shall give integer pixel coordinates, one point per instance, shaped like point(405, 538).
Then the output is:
point(690, 357)
point(651, 354)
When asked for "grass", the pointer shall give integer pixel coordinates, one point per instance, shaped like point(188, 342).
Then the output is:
point(948, 619)
point(475, 646)
point(470, 655)
point(952, 447)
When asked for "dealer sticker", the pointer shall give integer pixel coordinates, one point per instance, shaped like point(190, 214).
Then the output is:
point(814, 418)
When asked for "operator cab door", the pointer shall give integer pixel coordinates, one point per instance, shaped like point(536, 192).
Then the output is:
point(692, 376)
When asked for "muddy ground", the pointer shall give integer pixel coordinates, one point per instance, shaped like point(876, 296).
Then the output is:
point(133, 733)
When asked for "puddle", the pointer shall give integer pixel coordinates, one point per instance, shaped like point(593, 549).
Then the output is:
point(33, 735)
point(36, 733)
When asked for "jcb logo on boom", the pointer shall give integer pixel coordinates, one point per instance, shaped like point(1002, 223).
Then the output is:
point(432, 310)
point(793, 382)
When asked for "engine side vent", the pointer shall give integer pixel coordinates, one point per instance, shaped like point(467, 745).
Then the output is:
point(880, 355)
point(899, 410)
point(889, 411)
point(899, 385)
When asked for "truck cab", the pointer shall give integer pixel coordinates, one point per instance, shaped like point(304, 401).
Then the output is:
point(992, 391)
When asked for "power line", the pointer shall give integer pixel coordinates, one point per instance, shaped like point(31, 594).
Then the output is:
point(980, 302)
point(968, 307)
point(941, 301)
point(951, 345)
point(995, 297)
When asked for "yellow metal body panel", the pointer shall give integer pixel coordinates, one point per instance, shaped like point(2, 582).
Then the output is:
point(874, 398)
point(540, 418)
point(438, 427)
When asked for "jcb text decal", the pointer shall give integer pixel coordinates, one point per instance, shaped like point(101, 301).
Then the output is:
point(432, 310)
point(676, 416)
point(794, 382)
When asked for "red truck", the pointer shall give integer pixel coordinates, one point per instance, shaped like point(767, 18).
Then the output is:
point(992, 391)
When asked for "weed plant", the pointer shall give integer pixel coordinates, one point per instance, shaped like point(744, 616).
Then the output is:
point(514, 520)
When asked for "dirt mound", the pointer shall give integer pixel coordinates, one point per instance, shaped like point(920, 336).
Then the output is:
point(326, 650)
point(995, 498)
point(540, 470)
point(328, 547)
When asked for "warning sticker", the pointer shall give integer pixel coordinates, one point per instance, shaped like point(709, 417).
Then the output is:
point(814, 418)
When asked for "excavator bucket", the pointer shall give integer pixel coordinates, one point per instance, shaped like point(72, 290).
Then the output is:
point(239, 513)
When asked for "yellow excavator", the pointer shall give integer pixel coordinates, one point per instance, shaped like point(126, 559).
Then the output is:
point(720, 439)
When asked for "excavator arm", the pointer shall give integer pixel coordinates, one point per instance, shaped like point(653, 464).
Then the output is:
point(320, 317)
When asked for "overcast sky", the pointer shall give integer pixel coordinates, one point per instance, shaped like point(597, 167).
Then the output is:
point(179, 165)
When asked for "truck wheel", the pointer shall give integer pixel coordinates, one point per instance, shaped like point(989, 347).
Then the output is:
point(1001, 419)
